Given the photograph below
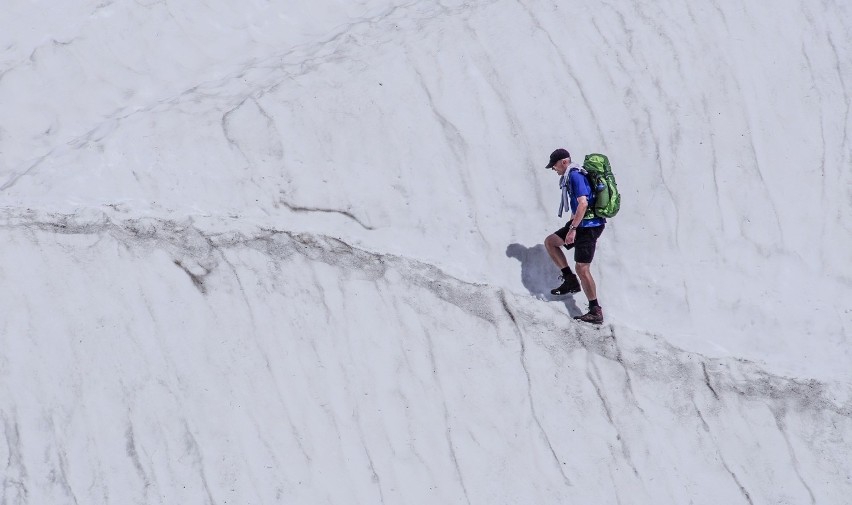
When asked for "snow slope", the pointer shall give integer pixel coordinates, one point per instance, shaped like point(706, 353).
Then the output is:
point(290, 253)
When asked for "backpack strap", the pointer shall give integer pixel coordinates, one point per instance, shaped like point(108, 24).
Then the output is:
point(590, 210)
point(568, 179)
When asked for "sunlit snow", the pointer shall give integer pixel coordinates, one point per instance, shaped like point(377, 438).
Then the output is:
point(291, 252)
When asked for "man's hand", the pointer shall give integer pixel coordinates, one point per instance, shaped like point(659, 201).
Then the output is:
point(572, 234)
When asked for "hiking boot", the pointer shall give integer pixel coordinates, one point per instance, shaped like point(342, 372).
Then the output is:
point(570, 284)
point(594, 316)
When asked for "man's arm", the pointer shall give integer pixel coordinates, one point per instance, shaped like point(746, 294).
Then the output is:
point(582, 205)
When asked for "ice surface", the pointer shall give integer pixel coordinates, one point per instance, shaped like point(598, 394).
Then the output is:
point(290, 252)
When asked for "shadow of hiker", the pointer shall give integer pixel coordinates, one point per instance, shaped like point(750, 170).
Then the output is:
point(539, 275)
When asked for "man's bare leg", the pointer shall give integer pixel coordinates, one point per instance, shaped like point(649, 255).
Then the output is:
point(584, 272)
point(554, 244)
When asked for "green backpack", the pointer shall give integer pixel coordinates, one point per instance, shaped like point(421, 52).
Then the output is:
point(607, 198)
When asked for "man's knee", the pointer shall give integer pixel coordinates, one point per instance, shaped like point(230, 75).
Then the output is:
point(553, 240)
point(584, 268)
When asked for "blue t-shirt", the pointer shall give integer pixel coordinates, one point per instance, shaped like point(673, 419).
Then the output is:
point(578, 185)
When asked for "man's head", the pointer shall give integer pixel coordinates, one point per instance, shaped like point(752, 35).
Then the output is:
point(559, 161)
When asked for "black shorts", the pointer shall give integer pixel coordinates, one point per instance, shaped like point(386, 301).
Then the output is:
point(585, 241)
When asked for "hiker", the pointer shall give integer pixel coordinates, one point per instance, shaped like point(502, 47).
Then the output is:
point(580, 233)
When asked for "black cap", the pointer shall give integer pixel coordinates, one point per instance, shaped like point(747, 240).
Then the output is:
point(557, 156)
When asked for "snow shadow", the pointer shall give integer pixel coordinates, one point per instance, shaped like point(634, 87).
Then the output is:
point(539, 275)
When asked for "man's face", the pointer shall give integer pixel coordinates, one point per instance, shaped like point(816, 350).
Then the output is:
point(561, 166)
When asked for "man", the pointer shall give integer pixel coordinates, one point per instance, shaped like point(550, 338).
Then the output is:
point(580, 233)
